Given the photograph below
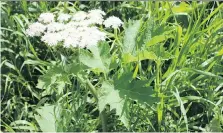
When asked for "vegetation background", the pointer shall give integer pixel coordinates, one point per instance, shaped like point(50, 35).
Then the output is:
point(175, 48)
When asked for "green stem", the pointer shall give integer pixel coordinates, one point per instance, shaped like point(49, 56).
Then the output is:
point(102, 114)
point(116, 36)
point(92, 90)
point(94, 93)
point(116, 32)
point(157, 88)
point(116, 39)
point(103, 121)
point(112, 46)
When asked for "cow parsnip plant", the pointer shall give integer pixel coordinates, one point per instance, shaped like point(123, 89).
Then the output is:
point(80, 31)
point(111, 66)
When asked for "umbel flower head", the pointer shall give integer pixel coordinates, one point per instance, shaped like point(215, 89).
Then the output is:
point(46, 18)
point(35, 29)
point(63, 17)
point(79, 16)
point(113, 22)
point(96, 16)
point(55, 27)
point(78, 30)
point(52, 39)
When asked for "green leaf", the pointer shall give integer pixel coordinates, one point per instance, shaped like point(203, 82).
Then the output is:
point(8, 64)
point(212, 13)
point(147, 55)
point(74, 68)
point(142, 55)
point(127, 58)
point(46, 118)
point(214, 125)
point(156, 39)
point(162, 30)
point(55, 77)
point(6, 49)
point(151, 33)
point(23, 124)
point(134, 89)
point(24, 128)
point(115, 92)
point(108, 95)
point(131, 31)
point(114, 62)
point(145, 33)
point(137, 91)
point(182, 8)
point(182, 108)
point(34, 62)
point(202, 72)
point(99, 58)
point(160, 52)
point(220, 52)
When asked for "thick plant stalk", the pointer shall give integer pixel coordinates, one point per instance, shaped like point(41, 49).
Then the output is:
point(157, 88)
point(94, 93)
point(102, 114)
point(92, 90)
point(103, 121)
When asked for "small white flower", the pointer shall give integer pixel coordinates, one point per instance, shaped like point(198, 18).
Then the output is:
point(83, 23)
point(71, 37)
point(96, 12)
point(46, 18)
point(113, 21)
point(55, 26)
point(96, 16)
point(63, 17)
point(70, 32)
point(91, 36)
point(79, 16)
point(71, 25)
point(71, 42)
point(35, 29)
point(95, 20)
point(52, 39)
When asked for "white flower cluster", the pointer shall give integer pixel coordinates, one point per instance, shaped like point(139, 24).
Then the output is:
point(36, 29)
point(78, 30)
point(63, 17)
point(113, 22)
point(46, 18)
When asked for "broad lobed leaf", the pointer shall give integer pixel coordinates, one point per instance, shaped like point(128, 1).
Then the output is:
point(115, 93)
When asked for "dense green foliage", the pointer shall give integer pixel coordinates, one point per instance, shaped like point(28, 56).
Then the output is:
point(163, 71)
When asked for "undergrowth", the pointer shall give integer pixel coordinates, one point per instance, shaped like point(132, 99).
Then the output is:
point(161, 71)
